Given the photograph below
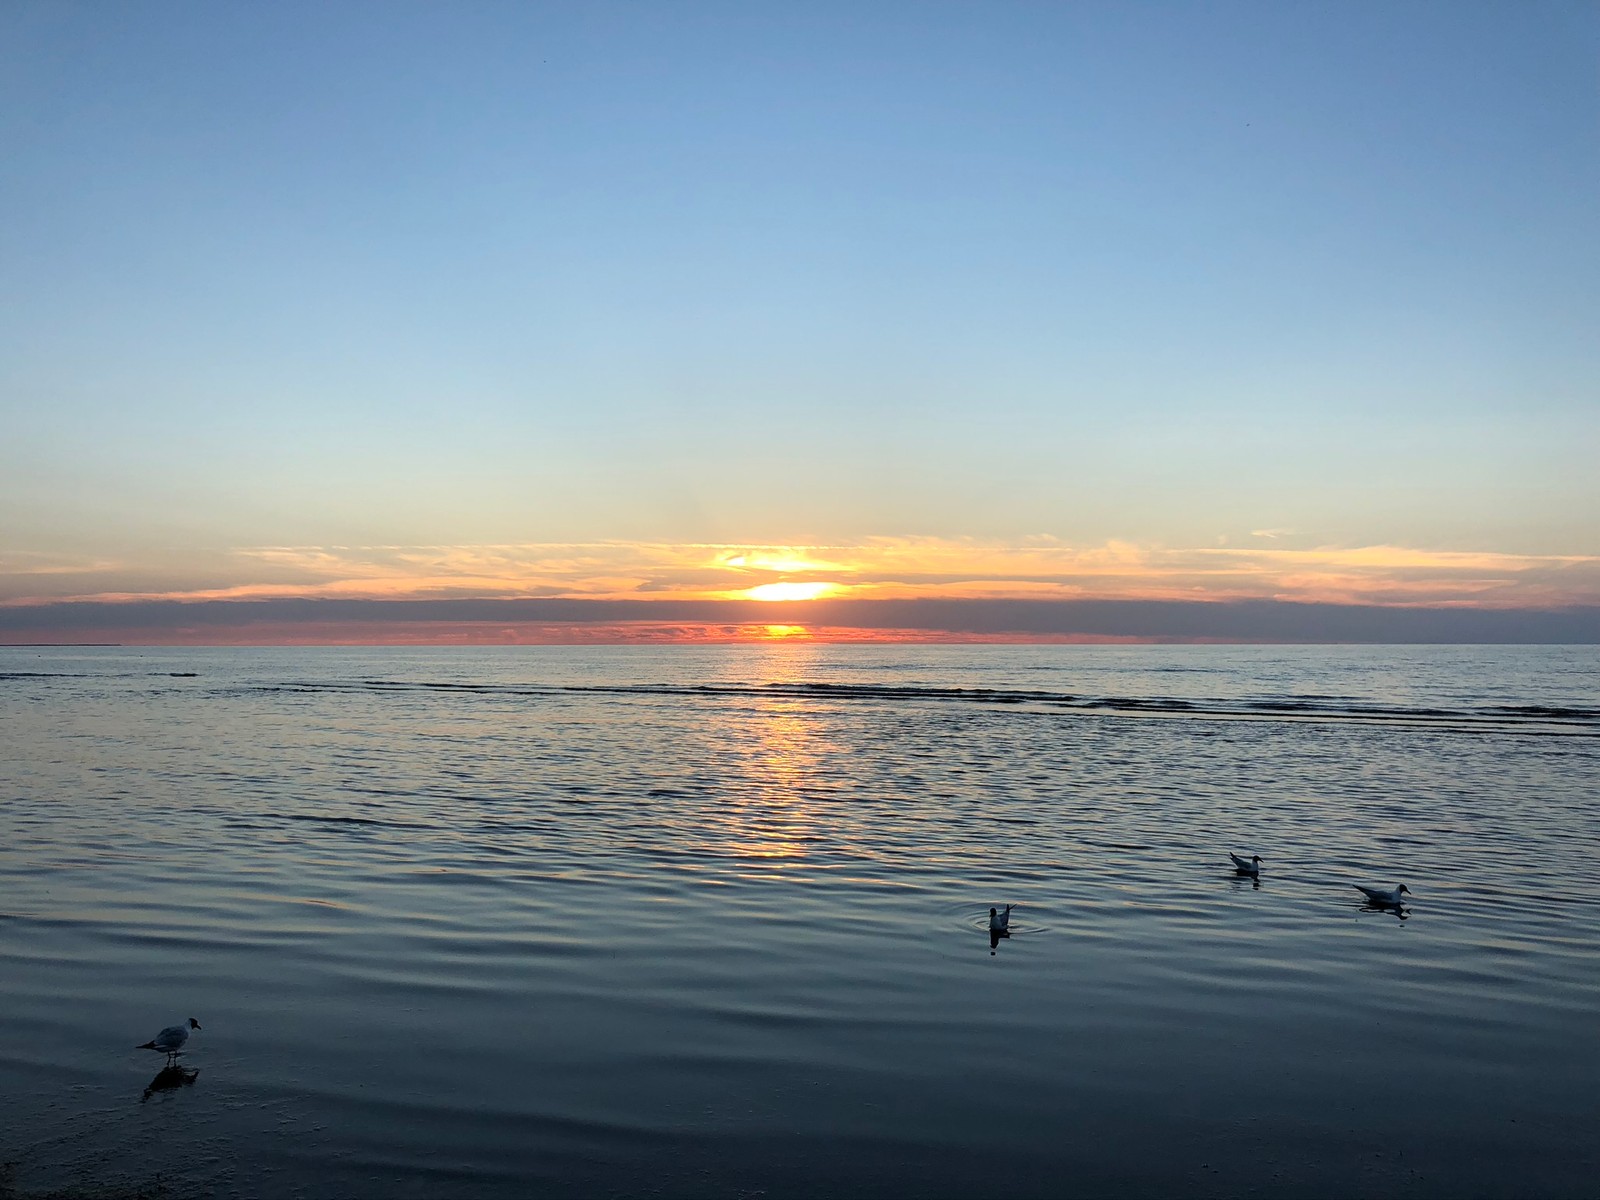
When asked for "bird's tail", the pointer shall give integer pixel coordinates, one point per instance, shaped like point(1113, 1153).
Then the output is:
point(146, 1046)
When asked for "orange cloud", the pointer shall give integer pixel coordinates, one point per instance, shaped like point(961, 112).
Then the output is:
point(1036, 568)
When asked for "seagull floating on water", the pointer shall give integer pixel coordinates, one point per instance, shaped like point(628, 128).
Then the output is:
point(1246, 866)
point(171, 1039)
point(1382, 898)
point(1000, 922)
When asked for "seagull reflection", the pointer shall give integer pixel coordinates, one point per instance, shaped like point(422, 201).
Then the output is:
point(170, 1078)
point(1384, 899)
point(999, 926)
point(1394, 910)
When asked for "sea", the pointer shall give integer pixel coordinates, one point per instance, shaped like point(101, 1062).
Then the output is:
point(713, 921)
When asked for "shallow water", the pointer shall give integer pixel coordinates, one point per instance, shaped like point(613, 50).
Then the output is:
point(712, 921)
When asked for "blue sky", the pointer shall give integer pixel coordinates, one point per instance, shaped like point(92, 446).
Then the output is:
point(1168, 276)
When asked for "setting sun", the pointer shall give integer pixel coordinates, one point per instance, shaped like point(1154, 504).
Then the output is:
point(790, 591)
point(776, 560)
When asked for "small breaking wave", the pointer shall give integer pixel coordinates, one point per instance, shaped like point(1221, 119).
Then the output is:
point(1577, 720)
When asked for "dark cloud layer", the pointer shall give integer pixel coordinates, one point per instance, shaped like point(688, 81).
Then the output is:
point(1256, 620)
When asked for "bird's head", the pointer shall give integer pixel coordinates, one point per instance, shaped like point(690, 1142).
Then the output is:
point(1404, 888)
point(991, 912)
point(193, 1024)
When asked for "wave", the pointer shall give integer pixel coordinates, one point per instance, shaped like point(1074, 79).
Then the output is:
point(1567, 719)
point(4, 675)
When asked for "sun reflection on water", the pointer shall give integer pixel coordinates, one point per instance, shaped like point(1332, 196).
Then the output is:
point(770, 817)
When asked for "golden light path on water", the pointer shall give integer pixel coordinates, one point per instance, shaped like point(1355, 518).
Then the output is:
point(770, 818)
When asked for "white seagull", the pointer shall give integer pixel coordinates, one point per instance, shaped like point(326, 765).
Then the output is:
point(1000, 922)
point(1246, 866)
point(1380, 897)
point(171, 1039)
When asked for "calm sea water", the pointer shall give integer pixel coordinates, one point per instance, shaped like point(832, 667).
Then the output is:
point(712, 922)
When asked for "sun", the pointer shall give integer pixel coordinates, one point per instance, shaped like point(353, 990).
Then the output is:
point(790, 591)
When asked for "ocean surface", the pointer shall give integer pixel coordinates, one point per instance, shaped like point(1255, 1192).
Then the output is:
point(713, 922)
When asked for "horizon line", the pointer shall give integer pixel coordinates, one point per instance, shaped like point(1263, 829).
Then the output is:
point(482, 621)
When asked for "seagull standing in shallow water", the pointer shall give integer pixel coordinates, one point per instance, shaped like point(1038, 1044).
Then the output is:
point(1382, 898)
point(171, 1039)
point(1246, 866)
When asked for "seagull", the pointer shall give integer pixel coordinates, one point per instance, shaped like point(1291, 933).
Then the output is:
point(1382, 898)
point(1246, 866)
point(1000, 922)
point(171, 1039)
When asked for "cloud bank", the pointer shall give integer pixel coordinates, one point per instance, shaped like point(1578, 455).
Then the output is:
point(211, 622)
point(879, 589)
point(877, 568)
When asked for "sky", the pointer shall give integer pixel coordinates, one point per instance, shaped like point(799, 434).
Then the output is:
point(921, 320)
